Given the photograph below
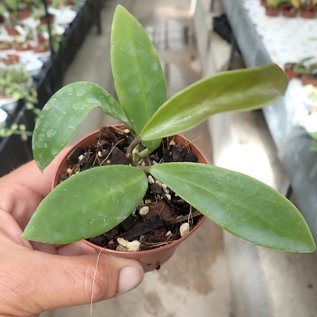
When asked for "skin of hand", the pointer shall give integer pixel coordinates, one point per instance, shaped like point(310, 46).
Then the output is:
point(36, 277)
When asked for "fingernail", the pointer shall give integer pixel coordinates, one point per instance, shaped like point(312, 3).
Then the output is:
point(129, 278)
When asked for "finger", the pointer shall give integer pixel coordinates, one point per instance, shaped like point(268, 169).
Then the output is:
point(51, 281)
point(77, 248)
point(11, 230)
point(43, 247)
point(23, 189)
point(30, 176)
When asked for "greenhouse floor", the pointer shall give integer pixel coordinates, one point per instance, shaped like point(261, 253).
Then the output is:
point(213, 274)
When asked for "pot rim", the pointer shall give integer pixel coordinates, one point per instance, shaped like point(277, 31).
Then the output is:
point(172, 244)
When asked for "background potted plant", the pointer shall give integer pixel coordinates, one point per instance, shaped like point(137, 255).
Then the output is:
point(310, 77)
point(134, 171)
point(12, 7)
point(3, 11)
point(272, 8)
point(290, 8)
point(308, 9)
point(305, 70)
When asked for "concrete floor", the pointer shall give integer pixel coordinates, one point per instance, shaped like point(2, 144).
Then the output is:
point(264, 282)
point(212, 274)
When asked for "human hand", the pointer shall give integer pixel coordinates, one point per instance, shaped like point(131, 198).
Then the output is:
point(35, 277)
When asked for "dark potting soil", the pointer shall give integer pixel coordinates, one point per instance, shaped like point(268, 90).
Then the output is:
point(157, 220)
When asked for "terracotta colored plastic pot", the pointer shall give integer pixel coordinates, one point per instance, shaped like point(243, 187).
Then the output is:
point(290, 72)
point(307, 14)
point(150, 259)
point(47, 19)
point(24, 14)
point(289, 12)
point(309, 80)
point(272, 12)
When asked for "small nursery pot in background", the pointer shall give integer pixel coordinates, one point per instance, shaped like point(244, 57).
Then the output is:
point(307, 14)
point(290, 72)
point(150, 259)
point(272, 12)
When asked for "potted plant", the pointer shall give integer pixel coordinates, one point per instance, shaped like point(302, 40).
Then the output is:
point(272, 8)
point(145, 176)
point(304, 66)
point(308, 9)
point(290, 8)
point(3, 11)
point(305, 70)
point(290, 71)
point(12, 7)
point(310, 78)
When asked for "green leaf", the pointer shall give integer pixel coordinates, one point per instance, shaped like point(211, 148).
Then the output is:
point(87, 204)
point(240, 204)
point(137, 72)
point(62, 115)
point(245, 89)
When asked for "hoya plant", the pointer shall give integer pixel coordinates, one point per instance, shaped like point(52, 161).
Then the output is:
point(94, 201)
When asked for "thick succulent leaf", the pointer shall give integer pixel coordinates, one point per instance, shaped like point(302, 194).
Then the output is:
point(238, 90)
point(240, 204)
point(137, 72)
point(87, 204)
point(62, 115)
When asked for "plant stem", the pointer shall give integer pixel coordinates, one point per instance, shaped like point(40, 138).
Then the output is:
point(130, 148)
point(145, 156)
point(135, 157)
point(144, 153)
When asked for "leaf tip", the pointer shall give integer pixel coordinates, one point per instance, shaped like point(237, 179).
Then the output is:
point(120, 10)
point(27, 233)
point(311, 246)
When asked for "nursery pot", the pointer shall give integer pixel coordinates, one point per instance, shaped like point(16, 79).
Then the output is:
point(309, 80)
point(24, 14)
point(289, 12)
point(290, 72)
point(150, 259)
point(307, 14)
point(271, 12)
point(47, 19)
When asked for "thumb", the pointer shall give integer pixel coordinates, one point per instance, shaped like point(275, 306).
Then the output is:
point(52, 281)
